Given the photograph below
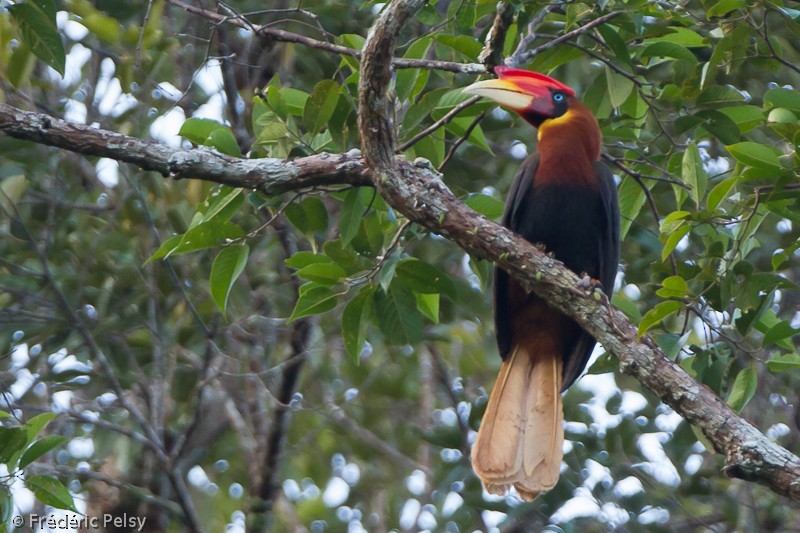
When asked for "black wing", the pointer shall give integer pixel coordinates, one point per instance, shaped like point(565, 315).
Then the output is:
point(608, 263)
point(580, 226)
point(516, 196)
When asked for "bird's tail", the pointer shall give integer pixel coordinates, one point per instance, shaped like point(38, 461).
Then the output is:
point(520, 439)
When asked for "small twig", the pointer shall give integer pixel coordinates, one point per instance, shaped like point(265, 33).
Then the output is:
point(526, 55)
point(141, 35)
point(461, 139)
point(372, 272)
point(287, 36)
point(369, 438)
point(439, 123)
point(529, 37)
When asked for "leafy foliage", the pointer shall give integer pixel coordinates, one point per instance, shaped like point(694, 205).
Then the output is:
point(181, 307)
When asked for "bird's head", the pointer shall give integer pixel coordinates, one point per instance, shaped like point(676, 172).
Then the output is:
point(535, 97)
point(566, 126)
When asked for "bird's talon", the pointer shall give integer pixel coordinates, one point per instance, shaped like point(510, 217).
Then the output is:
point(589, 283)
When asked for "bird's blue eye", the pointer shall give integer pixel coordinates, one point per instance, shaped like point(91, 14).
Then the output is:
point(558, 97)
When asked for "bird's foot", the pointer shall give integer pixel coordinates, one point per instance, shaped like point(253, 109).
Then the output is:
point(589, 283)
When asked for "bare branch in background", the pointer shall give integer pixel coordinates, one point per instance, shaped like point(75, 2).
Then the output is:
point(492, 53)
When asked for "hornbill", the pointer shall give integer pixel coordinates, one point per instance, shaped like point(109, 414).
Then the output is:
point(564, 198)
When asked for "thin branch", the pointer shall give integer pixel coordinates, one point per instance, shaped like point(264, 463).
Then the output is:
point(451, 152)
point(528, 54)
point(371, 439)
point(438, 124)
point(289, 37)
point(529, 37)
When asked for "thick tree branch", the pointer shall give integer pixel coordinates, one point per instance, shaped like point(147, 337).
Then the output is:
point(270, 176)
point(421, 196)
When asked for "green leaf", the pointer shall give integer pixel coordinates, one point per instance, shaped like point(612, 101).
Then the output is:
point(308, 216)
point(11, 190)
point(720, 192)
point(673, 240)
point(50, 491)
point(778, 332)
point(37, 23)
point(224, 141)
point(616, 43)
point(459, 125)
point(386, 274)
point(39, 448)
point(320, 105)
point(206, 235)
point(227, 268)
point(604, 364)
point(428, 305)
point(432, 147)
point(683, 36)
point(667, 49)
point(657, 314)
point(12, 442)
point(673, 287)
point(323, 273)
point(486, 205)
point(105, 28)
point(304, 258)
point(352, 213)
point(719, 96)
point(423, 277)
point(694, 175)
point(20, 66)
point(755, 155)
point(464, 44)
point(354, 323)
point(165, 248)
point(746, 117)
point(723, 7)
point(36, 424)
point(223, 203)
point(782, 363)
point(781, 97)
point(744, 387)
point(619, 87)
point(398, 317)
point(406, 79)
point(295, 100)
point(314, 299)
point(197, 130)
point(421, 109)
point(631, 200)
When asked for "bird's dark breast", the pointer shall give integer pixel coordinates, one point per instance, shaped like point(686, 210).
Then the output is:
point(572, 221)
point(569, 220)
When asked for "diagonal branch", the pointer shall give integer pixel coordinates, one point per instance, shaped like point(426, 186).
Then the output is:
point(748, 453)
point(290, 37)
point(520, 57)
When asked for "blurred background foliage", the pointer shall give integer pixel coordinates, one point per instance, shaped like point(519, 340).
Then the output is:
point(314, 362)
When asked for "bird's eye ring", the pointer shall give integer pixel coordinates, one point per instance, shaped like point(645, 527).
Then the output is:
point(558, 97)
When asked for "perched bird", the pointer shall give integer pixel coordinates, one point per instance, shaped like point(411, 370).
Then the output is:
point(564, 197)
